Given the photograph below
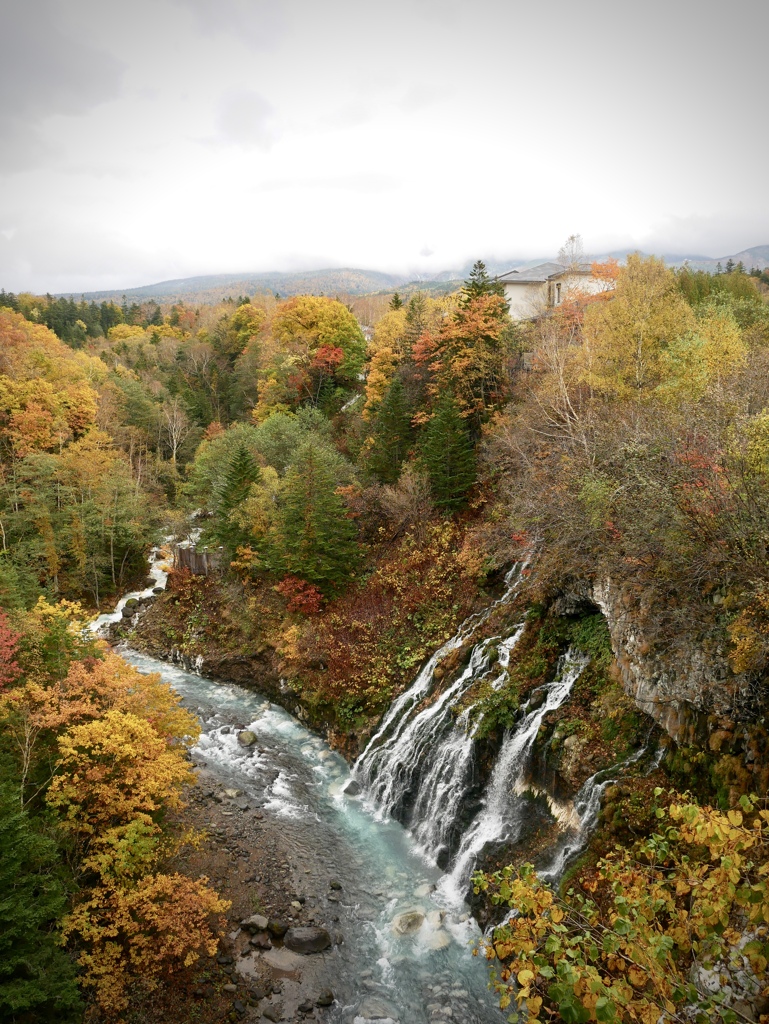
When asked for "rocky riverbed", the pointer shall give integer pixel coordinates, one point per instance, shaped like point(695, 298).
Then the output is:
point(257, 976)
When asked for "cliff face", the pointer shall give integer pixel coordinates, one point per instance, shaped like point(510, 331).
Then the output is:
point(683, 688)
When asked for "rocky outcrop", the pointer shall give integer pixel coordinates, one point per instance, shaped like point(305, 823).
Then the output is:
point(680, 688)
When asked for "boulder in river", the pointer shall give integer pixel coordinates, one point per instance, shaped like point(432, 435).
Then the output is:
point(352, 788)
point(408, 922)
point(376, 1008)
point(277, 928)
point(307, 940)
point(246, 738)
point(255, 923)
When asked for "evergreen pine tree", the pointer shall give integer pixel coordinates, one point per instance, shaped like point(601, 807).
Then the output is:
point(241, 473)
point(314, 539)
point(479, 283)
point(396, 301)
point(393, 434)
point(448, 456)
point(37, 979)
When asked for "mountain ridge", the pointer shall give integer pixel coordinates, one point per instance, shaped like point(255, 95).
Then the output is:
point(204, 288)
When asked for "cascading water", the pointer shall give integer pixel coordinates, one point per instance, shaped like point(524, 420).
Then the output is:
point(419, 766)
point(501, 818)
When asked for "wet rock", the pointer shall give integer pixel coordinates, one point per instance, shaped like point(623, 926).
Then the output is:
point(246, 738)
point(352, 788)
point(325, 998)
point(277, 928)
point(229, 988)
point(408, 922)
point(282, 960)
point(239, 1008)
point(233, 793)
point(439, 939)
point(306, 1006)
point(376, 1008)
point(307, 940)
point(334, 883)
point(273, 1013)
point(261, 940)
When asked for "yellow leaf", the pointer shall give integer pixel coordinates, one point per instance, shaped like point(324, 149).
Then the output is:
point(735, 817)
point(534, 1005)
point(525, 977)
point(556, 915)
point(637, 977)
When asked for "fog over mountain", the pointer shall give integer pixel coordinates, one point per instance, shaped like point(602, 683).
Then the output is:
point(349, 281)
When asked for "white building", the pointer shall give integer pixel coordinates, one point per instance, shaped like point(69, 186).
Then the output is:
point(532, 292)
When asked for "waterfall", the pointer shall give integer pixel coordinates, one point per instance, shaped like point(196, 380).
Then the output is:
point(419, 765)
point(503, 813)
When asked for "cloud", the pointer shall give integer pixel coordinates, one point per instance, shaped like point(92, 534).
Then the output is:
point(248, 120)
point(45, 71)
point(257, 23)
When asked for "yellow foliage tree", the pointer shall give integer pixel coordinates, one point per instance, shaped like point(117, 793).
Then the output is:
point(142, 933)
point(114, 770)
point(625, 339)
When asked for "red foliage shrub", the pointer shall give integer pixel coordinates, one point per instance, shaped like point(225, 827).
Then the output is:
point(301, 596)
point(9, 645)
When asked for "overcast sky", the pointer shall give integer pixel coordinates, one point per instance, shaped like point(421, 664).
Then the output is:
point(157, 139)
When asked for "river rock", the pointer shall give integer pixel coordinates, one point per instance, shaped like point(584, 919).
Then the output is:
point(277, 928)
point(246, 738)
point(325, 998)
point(260, 940)
point(352, 788)
point(408, 922)
point(282, 960)
point(307, 940)
point(438, 939)
point(376, 1008)
point(255, 923)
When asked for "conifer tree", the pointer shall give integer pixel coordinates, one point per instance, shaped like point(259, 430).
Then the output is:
point(241, 473)
point(393, 434)
point(313, 538)
point(396, 301)
point(479, 283)
point(37, 979)
point(448, 456)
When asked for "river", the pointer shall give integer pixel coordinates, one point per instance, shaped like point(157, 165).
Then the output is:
point(426, 976)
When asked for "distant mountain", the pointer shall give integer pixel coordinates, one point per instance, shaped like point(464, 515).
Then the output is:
point(216, 287)
point(212, 288)
point(758, 257)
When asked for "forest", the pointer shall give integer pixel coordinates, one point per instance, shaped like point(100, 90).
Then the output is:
point(364, 472)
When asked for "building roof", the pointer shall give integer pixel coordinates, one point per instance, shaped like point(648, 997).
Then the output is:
point(541, 273)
